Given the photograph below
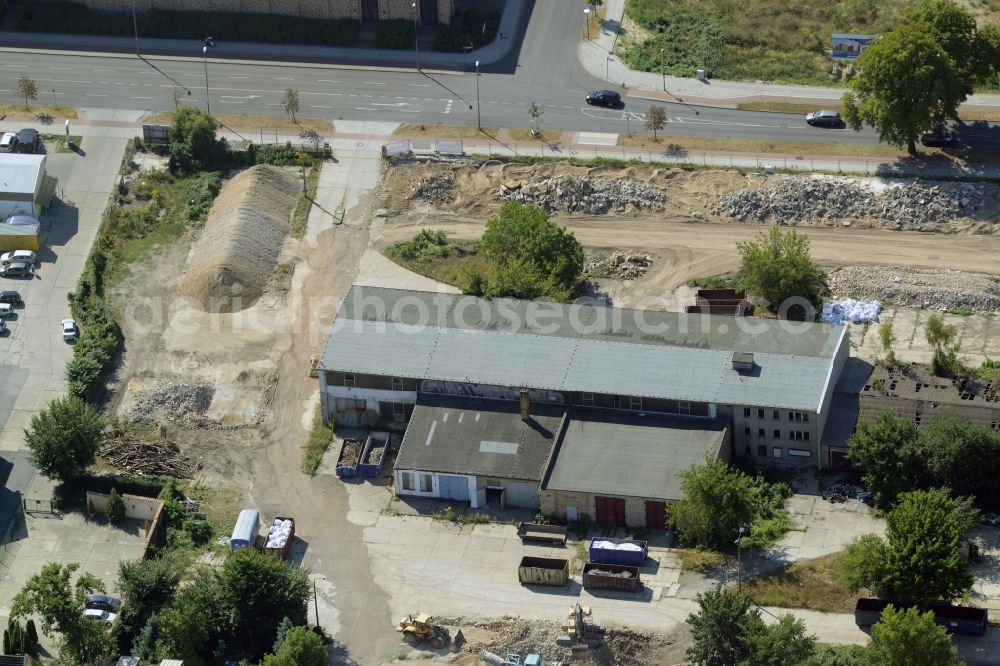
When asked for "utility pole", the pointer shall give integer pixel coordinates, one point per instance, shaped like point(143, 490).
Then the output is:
point(479, 119)
point(663, 70)
point(135, 27)
point(204, 56)
point(586, 18)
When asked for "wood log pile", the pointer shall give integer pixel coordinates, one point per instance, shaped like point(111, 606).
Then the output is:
point(141, 457)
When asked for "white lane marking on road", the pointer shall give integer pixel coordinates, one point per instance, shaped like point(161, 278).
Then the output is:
point(419, 85)
point(374, 83)
point(237, 77)
point(447, 108)
point(430, 433)
point(16, 66)
point(389, 104)
point(62, 81)
point(318, 106)
point(227, 101)
point(706, 121)
point(327, 81)
point(240, 97)
point(142, 98)
point(368, 96)
point(60, 68)
point(407, 110)
point(362, 108)
point(94, 95)
point(283, 78)
point(567, 107)
point(105, 70)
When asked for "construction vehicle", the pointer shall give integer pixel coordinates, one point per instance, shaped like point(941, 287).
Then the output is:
point(581, 632)
point(418, 628)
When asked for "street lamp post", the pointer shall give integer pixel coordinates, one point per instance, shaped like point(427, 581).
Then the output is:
point(586, 18)
point(479, 120)
point(607, 69)
point(204, 56)
point(739, 552)
point(663, 70)
point(416, 34)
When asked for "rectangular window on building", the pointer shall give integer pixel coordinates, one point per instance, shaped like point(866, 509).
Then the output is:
point(800, 453)
point(684, 407)
point(398, 412)
point(777, 434)
point(760, 413)
point(761, 432)
point(775, 414)
point(349, 379)
point(746, 430)
point(426, 483)
point(761, 451)
point(746, 412)
point(807, 435)
point(635, 404)
point(805, 417)
point(616, 402)
point(776, 452)
point(407, 478)
point(397, 383)
point(588, 399)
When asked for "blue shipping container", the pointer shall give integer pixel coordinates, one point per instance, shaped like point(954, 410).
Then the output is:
point(377, 441)
point(608, 551)
point(245, 531)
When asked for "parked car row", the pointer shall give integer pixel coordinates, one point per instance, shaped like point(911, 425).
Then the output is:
point(102, 608)
point(25, 141)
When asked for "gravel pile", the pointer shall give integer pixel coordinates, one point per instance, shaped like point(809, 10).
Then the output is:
point(436, 188)
point(619, 265)
point(375, 455)
point(938, 289)
point(572, 194)
point(794, 199)
point(175, 402)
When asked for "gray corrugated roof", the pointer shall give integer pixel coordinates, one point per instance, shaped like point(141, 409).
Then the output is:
point(635, 456)
point(479, 437)
point(573, 364)
point(591, 322)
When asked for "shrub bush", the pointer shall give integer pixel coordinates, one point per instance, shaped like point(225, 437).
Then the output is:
point(116, 508)
point(394, 34)
point(75, 18)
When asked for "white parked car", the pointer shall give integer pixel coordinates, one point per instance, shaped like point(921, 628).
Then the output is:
point(8, 142)
point(104, 616)
point(68, 329)
point(25, 256)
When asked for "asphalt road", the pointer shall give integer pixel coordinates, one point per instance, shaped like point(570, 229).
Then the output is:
point(545, 70)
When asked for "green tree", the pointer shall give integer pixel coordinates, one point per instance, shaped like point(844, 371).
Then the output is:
point(955, 30)
point(887, 338)
point(783, 644)
point(722, 629)
point(190, 626)
point(656, 119)
point(777, 267)
point(919, 558)
point(52, 596)
point(149, 586)
point(836, 655)
point(718, 499)
point(32, 637)
point(303, 647)
point(116, 508)
point(889, 456)
point(910, 638)
point(290, 102)
point(27, 88)
point(987, 53)
point(261, 590)
point(529, 256)
point(963, 456)
point(64, 438)
point(941, 337)
point(534, 112)
point(193, 145)
point(908, 84)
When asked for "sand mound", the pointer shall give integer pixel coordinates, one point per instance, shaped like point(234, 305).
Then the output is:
point(238, 251)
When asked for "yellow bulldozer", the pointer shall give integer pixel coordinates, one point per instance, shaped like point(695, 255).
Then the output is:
point(418, 628)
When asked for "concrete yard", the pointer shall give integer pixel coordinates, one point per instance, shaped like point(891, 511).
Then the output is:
point(978, 336)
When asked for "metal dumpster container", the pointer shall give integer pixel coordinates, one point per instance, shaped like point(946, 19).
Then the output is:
point(377, 450)
point(618, 551)
point(350, 456)
point(543, 571)
point(611, 577)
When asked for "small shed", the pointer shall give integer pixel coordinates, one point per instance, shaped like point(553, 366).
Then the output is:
point(21, 179)
point(246, 529)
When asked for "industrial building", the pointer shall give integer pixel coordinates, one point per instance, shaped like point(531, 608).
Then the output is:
point(665, 389)
point(21, 179)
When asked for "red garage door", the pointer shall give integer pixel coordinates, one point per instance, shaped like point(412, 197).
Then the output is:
point(656, 515)
point(610, 511)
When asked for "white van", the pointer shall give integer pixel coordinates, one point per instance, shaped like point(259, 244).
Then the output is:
point(8, 142)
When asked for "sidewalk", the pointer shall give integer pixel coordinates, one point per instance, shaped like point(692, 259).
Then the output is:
point(594, 54)
point(284, 54)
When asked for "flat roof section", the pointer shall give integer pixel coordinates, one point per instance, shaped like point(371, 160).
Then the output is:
point(479, 437)
point(19, 173)
point(606, 453)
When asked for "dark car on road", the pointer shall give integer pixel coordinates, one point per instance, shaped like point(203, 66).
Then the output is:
point(608, 98)
point(102, 602)
point(938, 139)
point(824, 119)
point(11, 297)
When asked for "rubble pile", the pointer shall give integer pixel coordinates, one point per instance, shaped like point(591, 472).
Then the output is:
point(611, 574)
point(936, 289)
point(436, 188)
point(175, 402)
point(351, 453)
point(619, 265)
point(375, 455)
point(795, 199)
point(573, 194)
point(133, 455)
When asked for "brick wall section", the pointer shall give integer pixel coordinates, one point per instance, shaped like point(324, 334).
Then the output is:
point(396, 9)
point(554, 503)
point(307, 8)
point(147, 509)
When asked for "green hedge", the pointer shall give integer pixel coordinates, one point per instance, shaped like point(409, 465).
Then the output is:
point(394, 34)
point(75, 18)
point(469, 30)
point(75, 490)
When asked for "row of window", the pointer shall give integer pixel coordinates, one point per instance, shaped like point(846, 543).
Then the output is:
point(776, 452)
point(351, 380)
point(633, 403)
point(795, 417)
point(796, 435)
point(426, 482)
